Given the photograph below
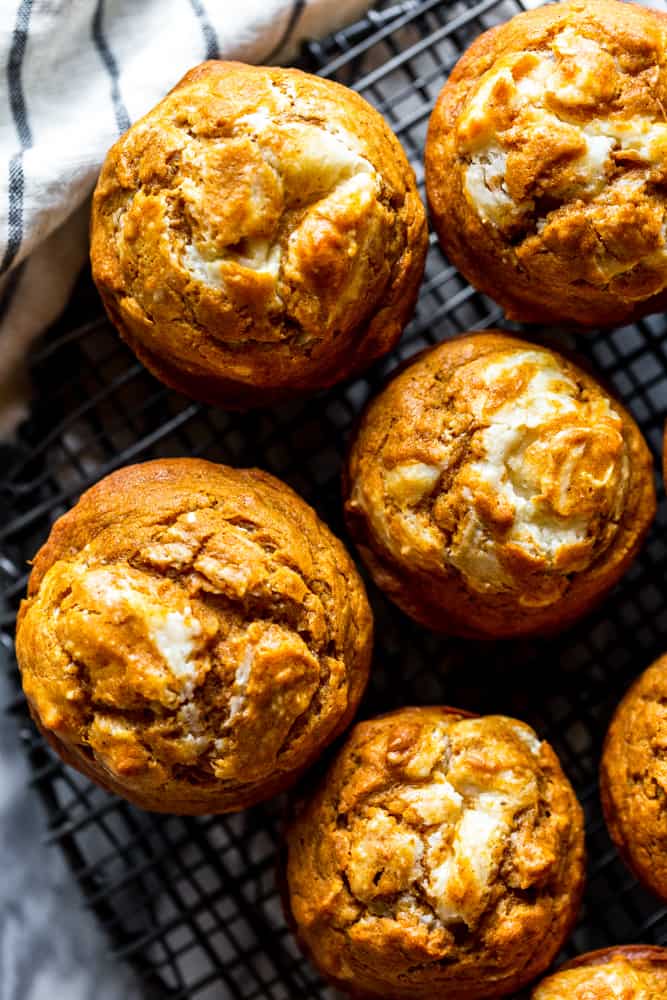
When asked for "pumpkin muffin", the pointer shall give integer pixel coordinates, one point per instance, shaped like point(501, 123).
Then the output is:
point(258, 234)
point(193, 636)
point(546, 163)
point(442, 856)
point(633, 778)
point(627, 972)
point(495, 489)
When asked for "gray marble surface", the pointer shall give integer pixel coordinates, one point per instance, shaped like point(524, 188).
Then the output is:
point(50, 946)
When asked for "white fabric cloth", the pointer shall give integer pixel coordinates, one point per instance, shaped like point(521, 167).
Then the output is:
point(76, 73)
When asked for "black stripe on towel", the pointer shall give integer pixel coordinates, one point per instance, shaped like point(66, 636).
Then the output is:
point(107, 57)
point(20, 115)
point(298, 7)
point(212, 50)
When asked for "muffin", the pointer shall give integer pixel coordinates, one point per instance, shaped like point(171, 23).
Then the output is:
point(193, 636)
point(627, 972)
point(257, 235)
point(633, 778)
point(546, 163)
point(495, 489)
point(442, 856)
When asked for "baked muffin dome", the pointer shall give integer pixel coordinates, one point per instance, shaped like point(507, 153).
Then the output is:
point(627, 972)
point(257, 234)
point(494, 489)
point(442, 856)
point(546, 163)
point(633, 778)
point(193, 636)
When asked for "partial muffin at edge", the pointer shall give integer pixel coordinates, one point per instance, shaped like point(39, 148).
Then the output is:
point(633, 778)
point(495, 489)
point(626, 972)
point(442, 855)
point(193, 636)
point(546, 163)
point(258, 234)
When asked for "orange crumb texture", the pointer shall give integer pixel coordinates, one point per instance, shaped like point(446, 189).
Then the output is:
point(259, 232)
point(193, 635)
point(546, 163)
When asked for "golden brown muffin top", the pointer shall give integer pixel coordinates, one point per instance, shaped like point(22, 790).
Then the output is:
point(255, 216)
point(497, 462)
point(193, 627)
point(559, 131)
point(626, 973)
point(634, 777)
point(440, 852)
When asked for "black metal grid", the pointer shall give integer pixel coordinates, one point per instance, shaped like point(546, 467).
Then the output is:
point(192, 902)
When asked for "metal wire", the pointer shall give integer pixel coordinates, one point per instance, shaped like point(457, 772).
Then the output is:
point(192, 903)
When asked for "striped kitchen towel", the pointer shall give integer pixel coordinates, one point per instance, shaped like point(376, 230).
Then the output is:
point(76, 73)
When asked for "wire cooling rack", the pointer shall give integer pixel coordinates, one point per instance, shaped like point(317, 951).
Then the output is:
point(192, 903)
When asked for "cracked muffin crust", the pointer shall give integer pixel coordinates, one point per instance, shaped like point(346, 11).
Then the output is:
point(546, 163)
point(633, 778)
point(193, 636)
point(627, 972)
point(442, 855)
point(494, 489)
point(257, 234)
